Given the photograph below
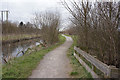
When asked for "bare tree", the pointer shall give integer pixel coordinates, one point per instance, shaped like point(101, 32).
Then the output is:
point(97, 28)
point(49, 23)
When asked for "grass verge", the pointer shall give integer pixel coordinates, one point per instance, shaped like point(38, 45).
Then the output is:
point(22, 67)
point(78, 70)
point(71, 50)
point(97, 71)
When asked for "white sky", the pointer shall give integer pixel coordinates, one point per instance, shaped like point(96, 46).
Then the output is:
point(23, 10)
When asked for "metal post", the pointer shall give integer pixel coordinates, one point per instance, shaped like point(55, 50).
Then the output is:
point(7, 16)
point(2, 15)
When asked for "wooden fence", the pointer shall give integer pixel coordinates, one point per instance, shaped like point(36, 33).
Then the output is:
point(109, 71)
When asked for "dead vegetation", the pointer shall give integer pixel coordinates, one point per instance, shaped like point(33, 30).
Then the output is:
point(49, 23)
point(96, 25)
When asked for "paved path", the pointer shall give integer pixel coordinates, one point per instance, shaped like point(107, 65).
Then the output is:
point(55, 64)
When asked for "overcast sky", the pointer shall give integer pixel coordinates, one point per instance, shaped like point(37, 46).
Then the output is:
point(23, 10)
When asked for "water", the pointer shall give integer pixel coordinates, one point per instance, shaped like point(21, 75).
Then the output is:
point(17, 49)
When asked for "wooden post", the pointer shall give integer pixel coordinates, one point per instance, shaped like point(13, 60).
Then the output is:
point(92, 67)
point(114, 72)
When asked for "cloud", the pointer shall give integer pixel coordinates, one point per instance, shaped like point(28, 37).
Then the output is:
point(24, 9)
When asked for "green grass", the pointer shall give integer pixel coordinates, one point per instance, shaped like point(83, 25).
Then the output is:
point(97, 71)
point(74, 73)
point(22, 67)
point(87, 62)
point(78, 70)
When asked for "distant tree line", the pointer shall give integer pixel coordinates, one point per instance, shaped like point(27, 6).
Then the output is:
point(45, 24)
point(96, 25)
point(9, 28)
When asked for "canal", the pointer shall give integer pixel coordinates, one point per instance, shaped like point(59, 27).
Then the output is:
point(11, 50)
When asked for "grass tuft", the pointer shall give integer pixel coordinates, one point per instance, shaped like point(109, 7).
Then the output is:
point(74, 73)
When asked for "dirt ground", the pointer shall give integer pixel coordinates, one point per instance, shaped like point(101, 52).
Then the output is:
point(55, 64)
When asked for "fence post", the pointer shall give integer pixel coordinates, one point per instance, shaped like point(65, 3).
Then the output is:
point(114, 72)
point(92, 67)
point(92, 64)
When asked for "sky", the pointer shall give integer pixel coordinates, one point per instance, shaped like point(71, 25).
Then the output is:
point(23, 10)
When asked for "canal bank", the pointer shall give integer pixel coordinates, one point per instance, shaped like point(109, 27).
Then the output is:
point(18, 40)
point(22, 67)
point(18, 49)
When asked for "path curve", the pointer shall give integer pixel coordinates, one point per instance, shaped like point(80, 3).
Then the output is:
point(55, 64)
